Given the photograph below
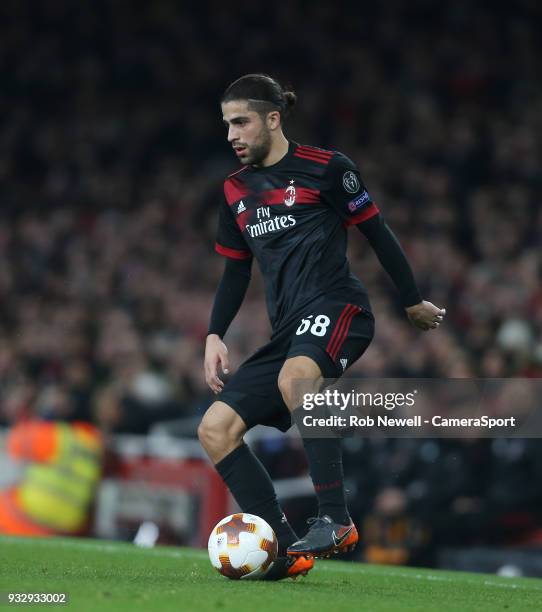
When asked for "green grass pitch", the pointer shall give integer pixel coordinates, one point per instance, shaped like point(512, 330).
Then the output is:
point(101, 576)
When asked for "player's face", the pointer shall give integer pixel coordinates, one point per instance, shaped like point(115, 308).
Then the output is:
point(247, 132)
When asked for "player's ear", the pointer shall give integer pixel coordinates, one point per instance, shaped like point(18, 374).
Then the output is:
point(273, 120)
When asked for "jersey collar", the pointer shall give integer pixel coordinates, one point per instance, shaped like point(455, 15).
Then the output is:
point(291, 148)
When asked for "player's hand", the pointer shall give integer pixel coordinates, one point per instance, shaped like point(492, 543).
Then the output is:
point(216, 354)
point(425, 315)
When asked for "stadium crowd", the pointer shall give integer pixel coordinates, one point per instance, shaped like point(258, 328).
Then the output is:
point(112, 155)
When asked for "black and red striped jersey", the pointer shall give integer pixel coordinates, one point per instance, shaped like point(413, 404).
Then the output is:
point(292, 217)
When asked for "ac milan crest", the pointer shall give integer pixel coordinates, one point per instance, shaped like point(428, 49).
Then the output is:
point(289, 194)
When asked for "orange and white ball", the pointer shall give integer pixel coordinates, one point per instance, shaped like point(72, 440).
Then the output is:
point(242, 546)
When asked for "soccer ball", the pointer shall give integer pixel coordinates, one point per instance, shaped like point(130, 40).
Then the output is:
point(242, 546)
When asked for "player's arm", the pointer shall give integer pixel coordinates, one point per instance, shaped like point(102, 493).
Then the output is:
point(349, 197)
point(229, 296)
point(228, 299)
point(423, 314)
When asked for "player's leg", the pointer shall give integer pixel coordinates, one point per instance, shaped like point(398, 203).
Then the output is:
point(333, 530)
point(221, 431)
point(252, 397)
point(221, 434)
point(325, 354)
point(324, 455)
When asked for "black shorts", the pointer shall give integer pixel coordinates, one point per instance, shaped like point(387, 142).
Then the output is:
point(333, 332)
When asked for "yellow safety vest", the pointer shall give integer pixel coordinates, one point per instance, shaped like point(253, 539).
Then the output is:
point(58, 494)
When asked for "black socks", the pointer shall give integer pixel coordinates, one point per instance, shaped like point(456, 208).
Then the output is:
point(324, 456)
point(253, 490)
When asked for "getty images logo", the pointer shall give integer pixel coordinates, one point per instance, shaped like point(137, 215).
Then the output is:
point(267, 224)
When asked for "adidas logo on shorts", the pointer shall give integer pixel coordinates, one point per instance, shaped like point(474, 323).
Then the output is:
point(344, 363)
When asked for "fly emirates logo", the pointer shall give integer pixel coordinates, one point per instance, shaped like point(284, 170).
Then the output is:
point(266, 223)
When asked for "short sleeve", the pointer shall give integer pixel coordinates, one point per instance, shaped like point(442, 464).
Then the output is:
point(229, 240)
point(346, 192)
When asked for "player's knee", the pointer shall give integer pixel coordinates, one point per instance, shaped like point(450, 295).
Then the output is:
point(220, 429)
point(285, 386)
point(204, 433)
point(289, 387)
point(298, 376)
point(210, 432)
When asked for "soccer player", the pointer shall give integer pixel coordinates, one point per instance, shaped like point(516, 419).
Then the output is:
point(289, 207)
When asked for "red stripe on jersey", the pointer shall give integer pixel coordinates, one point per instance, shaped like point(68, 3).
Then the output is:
point(314, 158)
point(234, 190)
point(337, 328)
point(232, 253)
point(369, 212)
point(313, 151)
point(303, 195)
point(343, 333)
